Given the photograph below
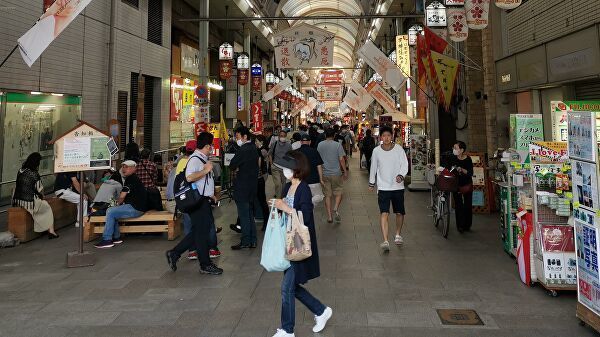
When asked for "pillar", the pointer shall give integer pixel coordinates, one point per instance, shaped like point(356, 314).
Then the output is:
point(204, 66)
point(245, 89)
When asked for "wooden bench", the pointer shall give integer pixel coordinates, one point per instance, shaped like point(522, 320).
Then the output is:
point(20, 222)
point(150, 222)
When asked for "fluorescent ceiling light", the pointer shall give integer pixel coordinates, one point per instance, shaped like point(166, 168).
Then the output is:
point(58, 95)
point(36, 93)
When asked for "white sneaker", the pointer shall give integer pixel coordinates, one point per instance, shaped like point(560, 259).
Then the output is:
point(398, 240)
point(77, 224)
point(385, 246)
point(282, 333)
point(321, 321)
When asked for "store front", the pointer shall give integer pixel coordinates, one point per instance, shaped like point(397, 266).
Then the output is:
point(30, 121)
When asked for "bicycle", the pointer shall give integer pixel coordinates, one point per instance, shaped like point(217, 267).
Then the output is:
point(441, 199)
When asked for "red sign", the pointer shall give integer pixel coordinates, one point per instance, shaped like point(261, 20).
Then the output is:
point(257, 117)
point(243, 76)
point(200, 127)
point(225, 69)
point(256, 83)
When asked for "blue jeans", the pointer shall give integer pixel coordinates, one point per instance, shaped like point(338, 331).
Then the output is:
point(187, 229)
point(113, 215)
point(290, 290)
point(245, 212)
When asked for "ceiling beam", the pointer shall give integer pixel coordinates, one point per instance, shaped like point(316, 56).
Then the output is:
point(308, 18)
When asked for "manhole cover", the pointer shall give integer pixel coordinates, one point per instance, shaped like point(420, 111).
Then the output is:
point(459, 317)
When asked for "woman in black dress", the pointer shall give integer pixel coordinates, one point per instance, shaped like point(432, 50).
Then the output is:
point(464, 197)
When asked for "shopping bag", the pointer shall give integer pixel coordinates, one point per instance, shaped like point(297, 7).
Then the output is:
point(273, 250)
point(317, 193)
point(363, 163)
point(297, 238)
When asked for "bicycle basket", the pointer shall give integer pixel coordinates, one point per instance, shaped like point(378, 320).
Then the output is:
point(446, 183)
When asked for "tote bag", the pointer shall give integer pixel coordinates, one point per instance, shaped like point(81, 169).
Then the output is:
point(273, 250)
point(297, 238)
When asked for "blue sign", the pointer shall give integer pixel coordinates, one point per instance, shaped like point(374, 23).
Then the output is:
point(256, 70)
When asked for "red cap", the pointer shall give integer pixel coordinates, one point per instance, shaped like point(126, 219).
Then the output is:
point(190, 145)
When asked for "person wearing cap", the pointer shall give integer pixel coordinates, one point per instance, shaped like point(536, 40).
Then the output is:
point(132, 203)
point(297, 197)
point(198, 171)
point(245, 186)
point(315, 178)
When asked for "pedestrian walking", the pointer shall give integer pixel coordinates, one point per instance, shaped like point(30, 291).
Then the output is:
point(368, 145)
point(334, 173)
point(199, 171)
point(261, 193)
point(389, 167)
point(315, 162)
point(298, 197)
point(464, 197)
point(277, 151)
point(245, 165)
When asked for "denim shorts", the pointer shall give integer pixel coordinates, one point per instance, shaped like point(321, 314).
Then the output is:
point(395, 197)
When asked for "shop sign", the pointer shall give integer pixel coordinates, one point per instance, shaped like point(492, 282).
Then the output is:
point(304, 46)
point(526, 129)
point(225, 69)
point(182, 99)
point(505, 78)
point(477, 13)
point(454, 2)
point(382, 65)
point(257, 117)
point(586, 247)
point(242, 76)
point(329, 92)
point(190, 59)
point(418, 158)
point(582, 135)
point(403, 54)
point(458, 30)
point(214, 129)
point(332, 76)
point(548, 151)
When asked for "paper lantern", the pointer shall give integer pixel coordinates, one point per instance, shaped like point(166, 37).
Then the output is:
point(256, 74)
point(225, 52)
point(508, 4)
point(270, 77)
point(477, 13)
point(435, 15)
point(458, 30)
point(413, 32)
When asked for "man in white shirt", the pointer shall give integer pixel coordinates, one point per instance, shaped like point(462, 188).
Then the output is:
point(389, 165)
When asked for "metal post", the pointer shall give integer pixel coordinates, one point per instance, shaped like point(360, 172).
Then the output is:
point(246, 88)
point(79, 258)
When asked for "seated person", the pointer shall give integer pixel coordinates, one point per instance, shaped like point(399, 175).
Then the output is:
point(29, 195)
point(67, 187)
point(108, 193)
point(132, 204)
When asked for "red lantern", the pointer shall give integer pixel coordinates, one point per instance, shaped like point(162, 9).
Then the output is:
point(225, 69)
point(243, 76)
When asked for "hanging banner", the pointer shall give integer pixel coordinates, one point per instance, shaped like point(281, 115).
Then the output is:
point(225, 69)
point(49, 26)
point(304, 46)
point(242, 76)
point(329, 92)
point(382, 97)
point(441, 32)
point(311, 105)
point(458, 30)
point(257, 117)
point(477, 13)
point(256, 74)
point(508, 4)
point(587, 252)
point(434, 41)
point(403, 54)
point(277, 89)
point(357, 97)
point(382, 65)
point(446, 69)
point(352, 100)
point(47, 4)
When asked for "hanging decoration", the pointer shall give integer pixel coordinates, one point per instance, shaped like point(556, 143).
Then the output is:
point(458, 30)
point(435, 15)
point(441, 32)
point(454, 2)
point(508, 4)
point(412, 34)
point(243, 63)
point(477, 13)
point(269, 80)
point(225, 61)
point(256, 73)
point(446, 69)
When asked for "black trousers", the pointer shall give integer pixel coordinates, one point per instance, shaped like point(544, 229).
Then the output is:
point(199, 237)
point(261, 196)
point(464, 210)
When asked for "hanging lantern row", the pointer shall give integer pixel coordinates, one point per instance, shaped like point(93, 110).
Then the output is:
point(256, 74)
point(458, 17)
point(243, 65)
point(225, 61)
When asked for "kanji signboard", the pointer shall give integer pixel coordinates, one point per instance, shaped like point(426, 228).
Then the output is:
point(304, 46)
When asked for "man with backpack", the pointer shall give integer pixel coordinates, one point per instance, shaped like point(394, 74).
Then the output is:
point(132, 203)
point(198, 173)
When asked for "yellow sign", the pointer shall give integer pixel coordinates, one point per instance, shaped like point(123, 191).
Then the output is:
point(214, 129)
point(403, 54)
point(446, 69)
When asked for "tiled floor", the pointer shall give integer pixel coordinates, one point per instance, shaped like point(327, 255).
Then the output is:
point(131, 292)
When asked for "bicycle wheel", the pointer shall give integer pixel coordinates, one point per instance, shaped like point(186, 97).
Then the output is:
point(445, 217)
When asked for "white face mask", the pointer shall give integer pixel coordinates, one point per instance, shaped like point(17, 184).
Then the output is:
point(282, 139)
point(289, 174)
point(455, 152)
point(320, 131)
point(259, 144)
point(296, 145)
point(239, 142)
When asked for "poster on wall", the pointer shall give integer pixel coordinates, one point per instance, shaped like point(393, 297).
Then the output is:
point(418, 157)
point(524, 130)
point(478, 176)
point(585, 184)
point(586, 246)
point(582, 135)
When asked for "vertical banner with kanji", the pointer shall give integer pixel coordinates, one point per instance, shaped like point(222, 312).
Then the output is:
point(446, 69)
point(304, 46)
point(257, 117)
point(403, 54)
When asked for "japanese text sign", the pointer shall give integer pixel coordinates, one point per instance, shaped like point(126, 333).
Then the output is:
point(382, 65)
point(304, 46)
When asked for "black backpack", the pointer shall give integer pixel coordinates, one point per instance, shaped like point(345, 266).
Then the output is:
point(187, 197)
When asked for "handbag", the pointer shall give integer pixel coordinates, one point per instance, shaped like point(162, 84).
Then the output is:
point(187, 196)
point(317, 193)
point(273, 249)
point(465, 189)
point(297, 238)
point(154, 199)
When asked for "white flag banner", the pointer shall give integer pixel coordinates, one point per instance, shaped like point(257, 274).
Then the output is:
point(49, 26)
point(477, 13)
point(277, 89)
point(382, 65)
point(357, 97)
point(352, 100)
point(311, 105)
point(382, 97)
point(304, 46)
point(458, 30)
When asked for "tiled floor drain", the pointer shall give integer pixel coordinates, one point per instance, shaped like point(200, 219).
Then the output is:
point(459, 317)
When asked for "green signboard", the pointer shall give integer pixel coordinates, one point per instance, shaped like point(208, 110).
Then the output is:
point(526, 129)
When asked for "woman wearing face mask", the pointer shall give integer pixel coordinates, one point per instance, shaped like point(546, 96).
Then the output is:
point(297, 196)
point(464, 197)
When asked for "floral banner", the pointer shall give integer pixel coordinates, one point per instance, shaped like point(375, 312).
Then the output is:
point(458, 30)
point(477, 13)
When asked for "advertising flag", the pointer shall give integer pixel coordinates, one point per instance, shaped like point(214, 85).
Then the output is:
point(48, 27)
point(257, 117)
point(382, 97)
point(277, 89)
point(304, 46)
point(446, 69)
point(382, 65)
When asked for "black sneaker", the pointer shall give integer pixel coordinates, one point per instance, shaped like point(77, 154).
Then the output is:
point(235, 228)
point(241, 246)
point(172, 259)
point(117, 240)
point(211, 269)
point(104, 244)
